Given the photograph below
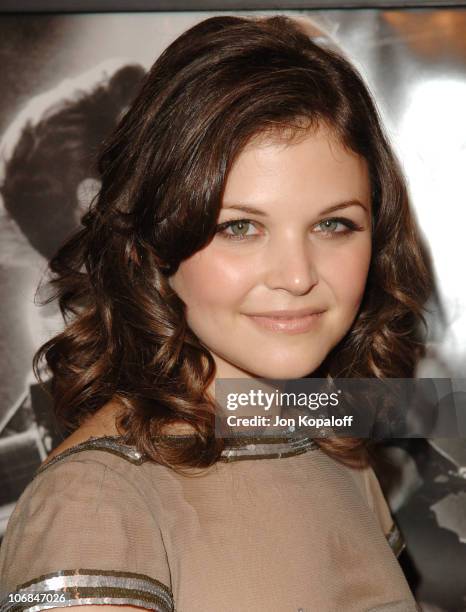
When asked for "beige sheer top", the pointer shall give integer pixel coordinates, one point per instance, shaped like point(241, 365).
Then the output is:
point(274, 526)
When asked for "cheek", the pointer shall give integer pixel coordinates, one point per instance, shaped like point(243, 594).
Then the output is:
point(212, 280)
point(346, 274)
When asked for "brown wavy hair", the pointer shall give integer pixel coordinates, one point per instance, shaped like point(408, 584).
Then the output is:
point(163, 171)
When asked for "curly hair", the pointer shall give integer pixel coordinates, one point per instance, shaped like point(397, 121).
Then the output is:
point(163, 171)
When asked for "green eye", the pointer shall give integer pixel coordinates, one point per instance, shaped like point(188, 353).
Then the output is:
point(329, 224)
point(240, 226)
point(239, 229)
point(329, 227)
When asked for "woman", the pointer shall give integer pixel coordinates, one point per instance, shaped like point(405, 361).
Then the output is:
point(252, 222)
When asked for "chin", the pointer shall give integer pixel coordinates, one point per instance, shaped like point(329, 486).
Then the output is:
point(286, 370)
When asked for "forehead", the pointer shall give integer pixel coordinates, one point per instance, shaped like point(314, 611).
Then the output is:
point(293, 131)
point(298, 166)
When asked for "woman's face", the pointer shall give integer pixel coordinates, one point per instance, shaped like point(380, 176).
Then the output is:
point(289, 253)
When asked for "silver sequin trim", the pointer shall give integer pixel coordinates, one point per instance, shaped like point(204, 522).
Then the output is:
point(87, 586)
point(396, 540)
point(102, 443)
point(269, 449)
point(237, 449)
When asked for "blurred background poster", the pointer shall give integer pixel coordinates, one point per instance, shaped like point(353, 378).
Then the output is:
point(65, 81)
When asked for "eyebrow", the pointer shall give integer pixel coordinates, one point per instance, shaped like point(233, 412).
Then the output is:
point(256, 211)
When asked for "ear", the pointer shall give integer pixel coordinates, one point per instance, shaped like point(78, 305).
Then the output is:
point(172, 282)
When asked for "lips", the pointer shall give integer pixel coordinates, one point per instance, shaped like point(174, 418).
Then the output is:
point(287, 324)
point(287, 314)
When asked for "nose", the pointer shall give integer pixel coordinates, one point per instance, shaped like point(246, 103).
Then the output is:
point(290, 266)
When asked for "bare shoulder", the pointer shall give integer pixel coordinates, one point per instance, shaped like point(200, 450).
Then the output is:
point(101, 423)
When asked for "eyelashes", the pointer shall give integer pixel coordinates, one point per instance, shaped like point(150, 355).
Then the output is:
point(349, 225)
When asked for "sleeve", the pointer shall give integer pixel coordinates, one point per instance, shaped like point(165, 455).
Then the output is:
point(82, 533)
point(379, 506)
